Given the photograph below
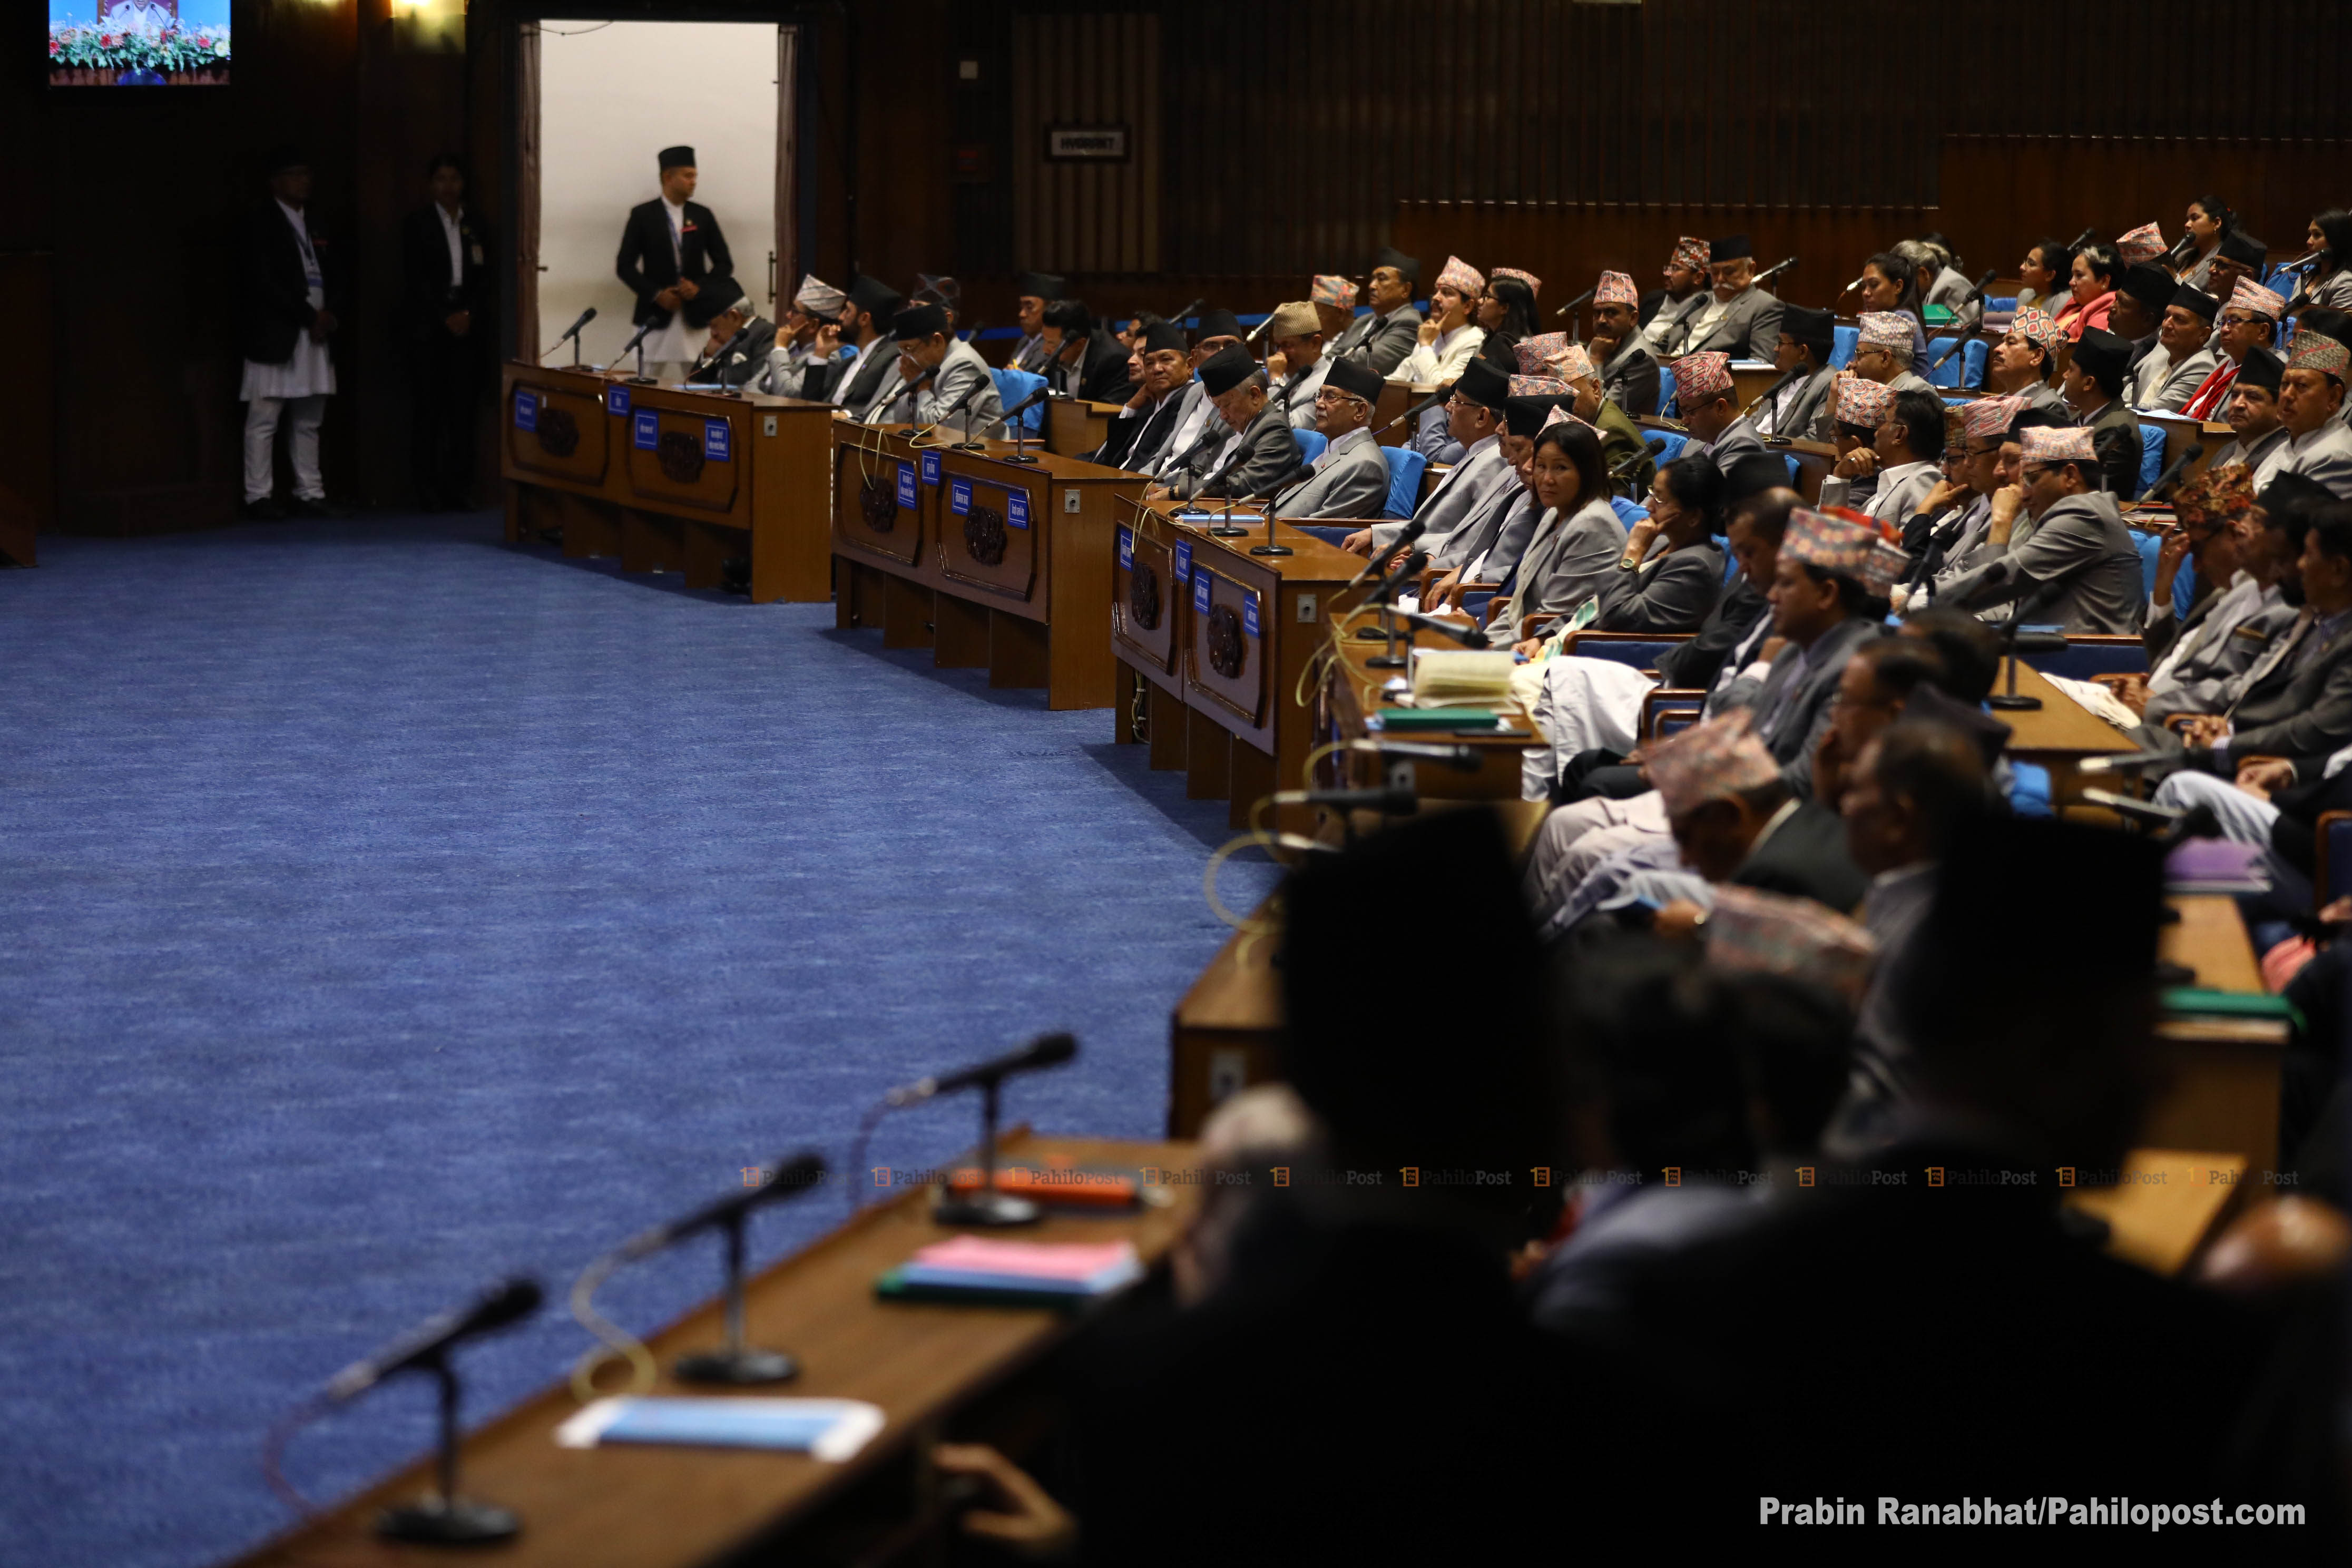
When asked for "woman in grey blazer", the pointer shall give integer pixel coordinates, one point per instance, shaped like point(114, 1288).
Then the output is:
point(1670, 589)
point(1574, 550)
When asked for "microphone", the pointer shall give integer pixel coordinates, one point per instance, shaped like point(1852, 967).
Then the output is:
point(1851, 286)
point(1044, 1051)
point(572, 331)
point(2166, 478)
point(904, 387)
point(1180, 317)
point(1259, 331)
point(1387, 802)
point(1960, 334)
point(1432, 401)
point(793, 1178)
point(1462, 759)
point(2076, 243)
point(631, 346)
point(1772, 271)
point(1767, 396)
point(1580, 300)
point(1413, 530)
point(2302, 262)
point(1026, 404)
point(1412, 566)
point(2181, 251)
point(507, 1303)
point(1468, 636)
point(710, 362)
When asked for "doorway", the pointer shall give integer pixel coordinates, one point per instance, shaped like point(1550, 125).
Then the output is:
point(611, 96)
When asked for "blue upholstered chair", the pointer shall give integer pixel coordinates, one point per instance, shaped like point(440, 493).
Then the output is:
point(1405, 469)
point(2151, 456)
point(1310, 443)
point(1842, 346)
point(1665, 390)
point(1012, 386)
point(1666, 445)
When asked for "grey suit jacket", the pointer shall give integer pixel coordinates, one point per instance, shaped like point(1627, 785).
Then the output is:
point(1171, 458)
point(963, 378)
point(1381, 342)
point(2167, 387)
point(1479, 529)
point(2114, 432)
point(2250, 457)
point(1750, 328)
point(1568, 561)
point(1350, 479)
point(2209, 673)
point(1672, 594)
point(1267, 452)
point(1792, 710)
point(1467, 484)
point(1662, 333)
point(2080, 542)
point(2299, 704)
point(1631, 380)
point(1812, 416)
point(2042, 398)
point(2323, 457)
point(1738, 440)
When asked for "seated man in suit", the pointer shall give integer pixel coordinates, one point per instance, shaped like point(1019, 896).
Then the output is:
point(2141, 296)
point(941, 379)
point(1387, 333)
point(721, 360)
point(1259, 455)
point(1736, 317)
point(1628, 373)
point(2024, 364)
point(1669, 310)
point(1082, 360)
point(1951, 516)
point(1199, 430)
point(1710, 409)
point(2248, 320)
point(1902, 462)
point(2076, 564)
point(670, 249)
point(866, 318)
point(2251, 411)
point(1802, 410)
point(2092, 384)
point(2180, 362)
point(2311, 401)
point(804, 360)
point(1297, 364)
point(1351, 477)
point(1032, 292)
point(1884, 351)
point(1473, 413)
point(1141, 434)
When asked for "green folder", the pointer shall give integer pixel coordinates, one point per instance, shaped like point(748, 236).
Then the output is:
point(891, 1286)
point(2196, 1001)
point(1406, 721)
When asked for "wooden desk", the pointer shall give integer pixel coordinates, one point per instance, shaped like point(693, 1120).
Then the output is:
point(668, 481)
point(1222, 1035)
point(2059, 735)
point(2165, 1207)
point(986, 562)
point(2222, 1088)
point(1354, 695)
point(1396, 396)
point(1750, 379)
point(1074, 427)
point(650, 1507)
point(2180, 431)
point(1240, 732)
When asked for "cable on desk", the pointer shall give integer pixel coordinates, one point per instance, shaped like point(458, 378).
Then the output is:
point(865, 1125)
point(273, 1454)
point(616, 1342)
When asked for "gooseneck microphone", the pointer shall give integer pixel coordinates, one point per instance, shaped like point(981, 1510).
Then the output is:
point(793, 1176)
point(509, 1301)
point(1045, 1051)
point(1432, 401)
point(2165, 480)
point(572, 334)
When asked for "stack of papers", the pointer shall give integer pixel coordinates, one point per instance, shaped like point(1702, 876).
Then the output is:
point(1471, 677)
point(981, 1270)
point(828, 1429)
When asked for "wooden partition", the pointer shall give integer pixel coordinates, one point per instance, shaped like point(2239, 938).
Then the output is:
point(1570, 244)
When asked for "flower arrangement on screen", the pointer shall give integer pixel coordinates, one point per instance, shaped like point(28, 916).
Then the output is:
point(95, 47)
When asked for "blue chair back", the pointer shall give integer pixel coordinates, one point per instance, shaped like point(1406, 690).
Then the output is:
point(1666, 445)
point(1332, 533)
point(1666, 389)
point(2002, 302)
point(1842, 346)
point(1628, 513)
point(1012, 386)
point(1405, 469)
point(1794, 470)
point(1640, 655)
point(1966, 368)
point(1310, 443)
point(1474, 606)
point(2151, 456)
point(2149, 545)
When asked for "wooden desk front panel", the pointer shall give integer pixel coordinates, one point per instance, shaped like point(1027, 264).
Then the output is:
point(686, 457)
point(879, 464)
point(1074, 426)
point(1293, 595)
point(1148, 553)
point(1225, 652)
point(993, 535)
point(556, 427)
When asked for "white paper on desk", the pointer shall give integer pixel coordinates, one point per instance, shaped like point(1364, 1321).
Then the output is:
point(828, 1429)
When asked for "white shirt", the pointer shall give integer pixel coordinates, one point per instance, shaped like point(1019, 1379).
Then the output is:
point(450, 222)
point(1442, 361)
point(676, 232)
point(1709, 317)
point(1188, 433)
point(840, 387)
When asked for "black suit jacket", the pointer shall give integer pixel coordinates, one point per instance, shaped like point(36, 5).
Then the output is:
point(645, 266)
point(428, 294)
point(1806, 858)
point(1130, 438)
point(1693, 665)
point(274, 295)
point(1101, 373)
point(2115, 435)
point(744, 362)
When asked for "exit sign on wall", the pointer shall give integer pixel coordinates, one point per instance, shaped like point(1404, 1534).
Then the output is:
point(1086, 144)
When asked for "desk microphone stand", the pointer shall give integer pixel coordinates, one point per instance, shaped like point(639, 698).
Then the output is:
point(446, 1518)
point(987, 1206)
point(1020, 439)
point(736, 1363)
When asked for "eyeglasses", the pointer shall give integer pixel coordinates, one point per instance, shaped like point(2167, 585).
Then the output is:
point(1332, 396)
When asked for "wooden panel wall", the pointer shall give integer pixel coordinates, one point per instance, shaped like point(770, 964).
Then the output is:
point(1086, 70)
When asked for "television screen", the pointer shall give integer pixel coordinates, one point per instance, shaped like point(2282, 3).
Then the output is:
point(139, 43)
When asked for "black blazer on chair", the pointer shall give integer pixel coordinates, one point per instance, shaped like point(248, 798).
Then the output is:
point(645, 266)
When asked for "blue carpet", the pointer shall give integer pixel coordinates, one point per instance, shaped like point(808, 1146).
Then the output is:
point(386, 910)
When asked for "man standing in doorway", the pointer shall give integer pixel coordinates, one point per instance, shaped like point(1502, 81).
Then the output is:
point(450, 310)
point(670, 251)
point(288, 287)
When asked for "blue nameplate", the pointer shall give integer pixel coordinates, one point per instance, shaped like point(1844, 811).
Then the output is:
point(1016, 509)
point(1201, 591)
point(931, 468)
point(1127, 547)
point(907, 485)
point(646, 430)
point(526, 410)
point(1249, 614)
point(1183, 561)
point(715, 437)
point(959, 497)
point(616, 401)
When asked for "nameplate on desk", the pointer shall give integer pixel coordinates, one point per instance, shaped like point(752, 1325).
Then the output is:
point(1201, 591)
point(1183, 561)
point(907, 484)
point(1016, 509)
point(1127, 548)
point(715, 441)
point(1249, 614)
point(960, 495)
point(645, 430)
point(931, 468)
point(526, 410)
point(616, 401)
